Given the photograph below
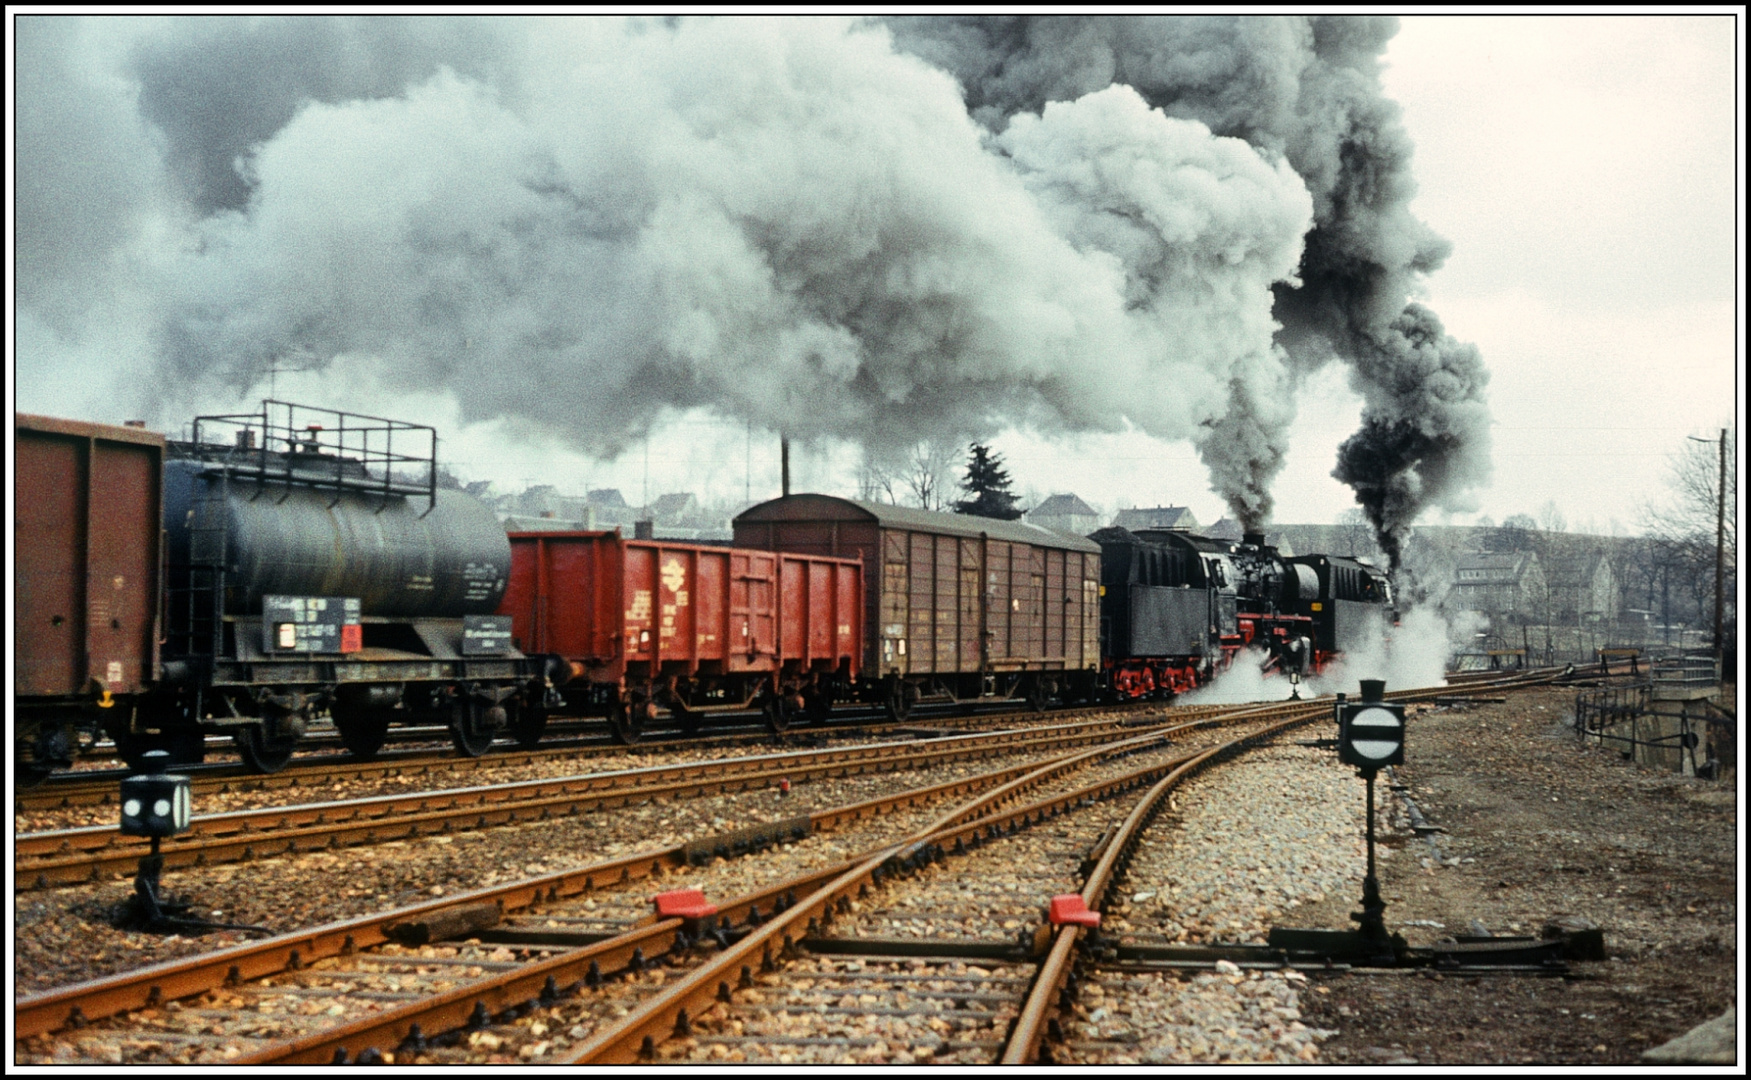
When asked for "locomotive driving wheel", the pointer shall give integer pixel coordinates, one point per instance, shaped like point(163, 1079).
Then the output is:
point(265, 748)
point(362, 730)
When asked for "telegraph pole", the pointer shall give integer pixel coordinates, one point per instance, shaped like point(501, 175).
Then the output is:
point(1720, 544)
point(1720, 548)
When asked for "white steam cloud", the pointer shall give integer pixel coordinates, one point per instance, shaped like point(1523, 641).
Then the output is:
point(581, 225)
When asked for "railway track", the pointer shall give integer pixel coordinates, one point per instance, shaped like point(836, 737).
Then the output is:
point(558, 957)
point(99, 787)
point(71, 856)
point(92, 787)
point(163, 983)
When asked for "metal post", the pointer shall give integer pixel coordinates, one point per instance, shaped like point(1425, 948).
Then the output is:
point(1372, 917)
point(784, 462)
point(1720, 541)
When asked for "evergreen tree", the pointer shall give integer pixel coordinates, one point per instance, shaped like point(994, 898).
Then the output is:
point(987, 487)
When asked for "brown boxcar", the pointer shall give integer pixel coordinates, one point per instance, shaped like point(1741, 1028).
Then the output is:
point(643, 624)
point(957, 607)
point(86, 581)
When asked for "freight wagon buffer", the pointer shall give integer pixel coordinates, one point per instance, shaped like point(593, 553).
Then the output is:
point(630, 628)
point(957, 608)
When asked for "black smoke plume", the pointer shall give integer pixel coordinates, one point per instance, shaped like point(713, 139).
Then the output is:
point(1308, 89)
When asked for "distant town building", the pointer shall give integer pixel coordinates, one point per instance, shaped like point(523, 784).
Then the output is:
point(1178, 518)
point(674, 508)
point(610, 510)
point(1499, 584)
point(1583, 586)
point(1065, 513)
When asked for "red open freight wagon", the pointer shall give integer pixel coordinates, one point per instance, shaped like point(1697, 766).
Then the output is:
point(638, 626)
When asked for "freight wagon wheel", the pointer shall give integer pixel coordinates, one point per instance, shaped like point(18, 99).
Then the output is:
point(530, 725)
point(900, 698)
point(40, 753)
point(469, 731)
point(627, 723)
point(264, 752)
point(362, 731)
point(778, 712)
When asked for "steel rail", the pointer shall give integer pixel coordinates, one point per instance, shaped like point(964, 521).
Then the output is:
point(74, 1005)
point(78, 1003)
point(391, 1029)
point(1023, 1043)
point(75, 856)
point(635, 1038)
point(73, 789)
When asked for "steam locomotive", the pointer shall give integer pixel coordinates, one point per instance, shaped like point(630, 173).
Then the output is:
point(1177, 608)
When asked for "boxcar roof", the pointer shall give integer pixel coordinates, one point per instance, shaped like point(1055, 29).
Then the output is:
point(834, 508)
point(86, 430)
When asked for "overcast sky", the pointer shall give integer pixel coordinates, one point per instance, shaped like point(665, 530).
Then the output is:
point(1586, 171)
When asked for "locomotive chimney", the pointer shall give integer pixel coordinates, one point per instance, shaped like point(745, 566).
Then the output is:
point(1256, 539)
point(1373, 690)
point(784, 461)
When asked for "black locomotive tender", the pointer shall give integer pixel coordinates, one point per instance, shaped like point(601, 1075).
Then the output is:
point(310, 563)
point(1176, 609)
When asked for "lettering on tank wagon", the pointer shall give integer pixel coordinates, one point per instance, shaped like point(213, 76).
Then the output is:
point(481, 581)
point(311, 624)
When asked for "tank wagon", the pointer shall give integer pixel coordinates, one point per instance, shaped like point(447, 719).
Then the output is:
point(956, 608)
point(307, 562)
point(1177, 608)
point(629, 629)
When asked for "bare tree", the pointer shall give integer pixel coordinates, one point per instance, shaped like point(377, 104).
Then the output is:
point(1551, 519)
point(929, 473)
point(1355, 533)
point(1681, 530)
point(875, 482)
